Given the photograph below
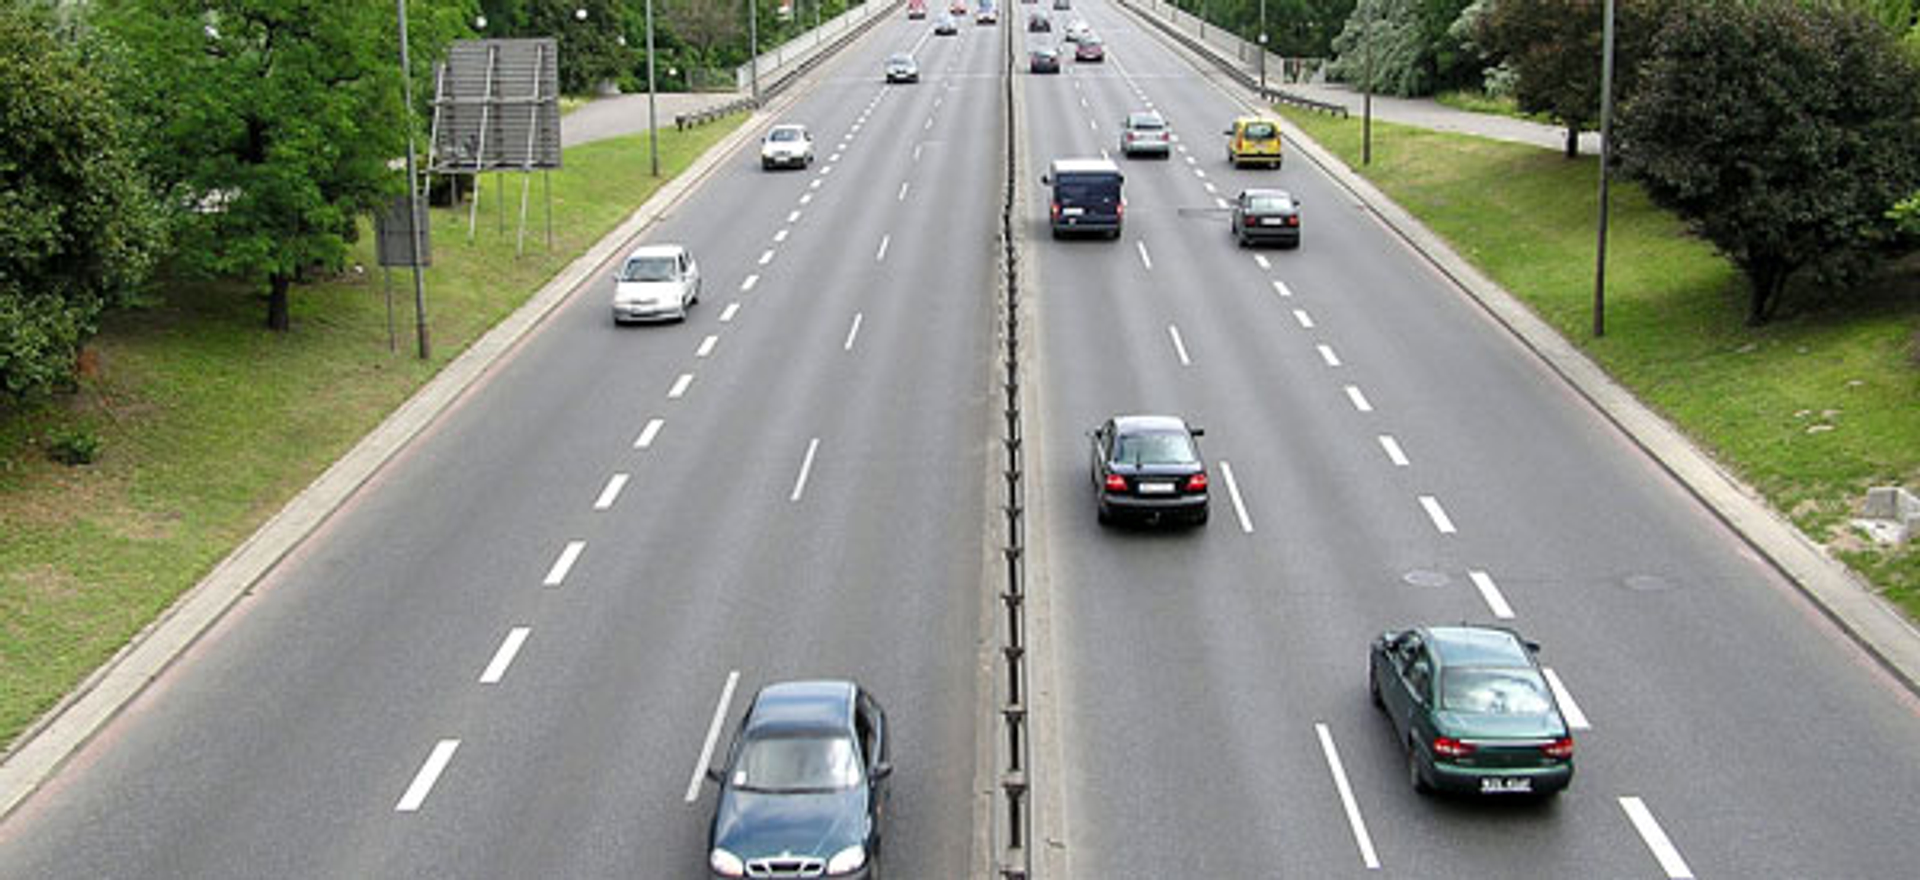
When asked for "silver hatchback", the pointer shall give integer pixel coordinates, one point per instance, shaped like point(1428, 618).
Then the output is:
point(1145, 133)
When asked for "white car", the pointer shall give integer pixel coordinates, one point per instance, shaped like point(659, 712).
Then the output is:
point(658, 282)
point(786, 146)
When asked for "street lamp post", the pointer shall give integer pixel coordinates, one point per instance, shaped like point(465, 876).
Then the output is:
point(753, 40)
point(1263, 50)
point(653, 119)
point(1606, 156)
point(413, 192)
point(1366, 125)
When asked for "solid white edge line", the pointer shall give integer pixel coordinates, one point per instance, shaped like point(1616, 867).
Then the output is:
point(558, 573)
point(1179, 346)
point(806, 467)
point(713, 736)
point(1145, 259)
point(1280, 287)
point(647, 433)
point(748, 282)
point(852, 332)
point(706, 346)
point(1655, 839)
point(429, 773)
point(679, 388)
point(1569, 709)
point(1326, 354)
point(1306, 321)
point(503, 657)
point(1340, 784)
point(1233, 492)
point(1394, 453)
point(1437, 514)
point(726, 314)
point(1491, 595)
point(880, 256)
point(1359, 400)
point(611, 493)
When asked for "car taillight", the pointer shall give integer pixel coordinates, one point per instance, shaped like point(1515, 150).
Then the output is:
point(1293, 221)
point(1056, 210)
point(1561, 748)
point(1197, 483)
point(1116, 483)
point(1120, 210)
point(1448, 747)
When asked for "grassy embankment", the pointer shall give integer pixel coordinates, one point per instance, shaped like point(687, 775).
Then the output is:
point(1811, 410)
point(208, 423)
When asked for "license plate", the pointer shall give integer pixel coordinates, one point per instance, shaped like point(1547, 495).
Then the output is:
point(1274, 221)
point(1156, 488)
point(1073, 212)
point(1496, 784)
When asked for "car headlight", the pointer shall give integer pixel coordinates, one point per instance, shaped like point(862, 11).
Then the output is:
point(726, 864)
point(848, 860)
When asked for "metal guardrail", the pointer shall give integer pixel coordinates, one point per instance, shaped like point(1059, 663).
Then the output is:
point(779, 84)
point(1270, 94)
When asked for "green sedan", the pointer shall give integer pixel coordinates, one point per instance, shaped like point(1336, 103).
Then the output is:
point(1472, 710)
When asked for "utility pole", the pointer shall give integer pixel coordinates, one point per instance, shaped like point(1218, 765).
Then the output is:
point(413, 192)
point(1606, 157)
point(1366, 125)
point(753, 40)
point(1263, 51)
point(653, 119)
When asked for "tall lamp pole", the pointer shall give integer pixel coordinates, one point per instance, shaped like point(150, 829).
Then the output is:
point(1606, 157)
point(1263, 51)
point(413, 192)
point(653, 119)
point(753, 39)
point(1366, 125)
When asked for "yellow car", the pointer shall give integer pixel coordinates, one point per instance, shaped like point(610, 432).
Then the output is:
point(1253, 140)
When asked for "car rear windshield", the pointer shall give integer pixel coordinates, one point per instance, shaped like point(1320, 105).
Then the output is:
point(1489, 691)
point(784, 134)
point(1270, 203)
point(1259, 131)
point(798, 763)
point(1154, 449)
point(1146, 123)
point(650, 269)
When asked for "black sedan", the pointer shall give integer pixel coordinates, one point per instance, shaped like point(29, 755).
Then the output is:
point(1149, 468)
point(1472, 710)
point(1045, 59)
point(803, 791)
point(1266, 215)
point(1039, 23)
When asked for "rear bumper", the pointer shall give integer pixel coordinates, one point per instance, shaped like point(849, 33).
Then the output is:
point(625, 312)
point(1281, 234)
point(1467, 780)
point(1132, 506)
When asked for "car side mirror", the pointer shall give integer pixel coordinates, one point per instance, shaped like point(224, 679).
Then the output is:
point(715, 774)
point(882, 770)
point(1197, 432)
point(1046, 180)
point(1532, 647)
point(1228, 132)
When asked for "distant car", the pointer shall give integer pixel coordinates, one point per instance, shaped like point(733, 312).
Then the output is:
point(803, 789)
point(1149, 467)
point(1266, 215)
point(1145, 133)
point(945, 26)
point(1472, 710)
point(1254, 140)
point(958, 8)
point(1089, 49)
point(916, 8)
point(1062, 4)
point(1078, 30)
point(657, 282)
point(1044, 59)
point(987, 15)
point(1039, 23)
point(902, 68)
point(786, 146)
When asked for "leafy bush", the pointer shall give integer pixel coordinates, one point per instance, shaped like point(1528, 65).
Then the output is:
point(76, 446)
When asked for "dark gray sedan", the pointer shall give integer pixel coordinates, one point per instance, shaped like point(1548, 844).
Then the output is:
point(1149, 468)
point(1261, 215)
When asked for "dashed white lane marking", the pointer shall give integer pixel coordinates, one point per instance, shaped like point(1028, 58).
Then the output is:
point(1233, 492)
point(1305, 319)
point(916, 152)
point(807, 197)
point(679, 388)
point(814, 183)
point(903, 192)
point(713, 736)
point(558, 573)
point(1106, 155)
point(881, 255)
point(1093, 125)
point(1261, 261)
point(429, 773)
point(1280, 287)
point(1179, 346)
point(748, 282)
point(726, 314)
point(503, 657)
point(1490, 594)
point(852, 332)
point(1359, 400)
point(929, 124)
point(1210, 187)
point(781, 236)
point(793, 216)
point(1438, 514)
point(1394, 453)
point(834, 158)
point(1189, 158)
point(826, 171)
point(806, 467)
point(1340, 784)
point(647, 433)
point(1326, 354)
point(706, 346)
point(1083, 100)
point(1200, 173)
point(1569, 709)
point(1656, 839)
point(611, 492)
point(1145, 259)
point(1222, 203)
point(766, 256)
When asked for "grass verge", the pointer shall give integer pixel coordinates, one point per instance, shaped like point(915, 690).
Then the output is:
point(1811, 410)
point(1474, 101)
point(208, 423)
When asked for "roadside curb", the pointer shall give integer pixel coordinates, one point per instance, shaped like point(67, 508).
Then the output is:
point(45, 747)
point(1842, 596)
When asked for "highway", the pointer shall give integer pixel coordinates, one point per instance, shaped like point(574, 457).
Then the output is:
point(508, 655)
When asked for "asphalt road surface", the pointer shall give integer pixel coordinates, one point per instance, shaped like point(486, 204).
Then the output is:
point(505, 657)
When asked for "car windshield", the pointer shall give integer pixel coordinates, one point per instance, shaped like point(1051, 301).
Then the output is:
point(900, 59)
point(1270, 203)
point(1259, 130)
point(798, 763)
point(1153, 449)
point(1491, 691)
point(784, 134)
point(650, 269)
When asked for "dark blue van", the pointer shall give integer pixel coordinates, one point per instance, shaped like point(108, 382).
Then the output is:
point(1086, 197)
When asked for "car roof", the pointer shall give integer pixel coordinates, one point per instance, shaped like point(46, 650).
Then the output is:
point(797, 707)
point(1149, 424)
point(900, 56)
point(1266, 194)
point(657, 250)
point(1478, 646)
point(796, 126)
point(1084, 166)
point(1145, 116)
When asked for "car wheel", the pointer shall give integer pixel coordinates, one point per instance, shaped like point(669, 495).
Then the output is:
point(1105, 515)
point(1414, 777)
point(766, 164)
point(1373, 688)
point(1200, 519)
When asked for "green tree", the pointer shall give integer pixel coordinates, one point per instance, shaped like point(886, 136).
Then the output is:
point(1554, 49)
point(1907, 215)
point(594, 47)
point(78, 227)
point(1780, 130)
point(271, 125)
point(1408, 45)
